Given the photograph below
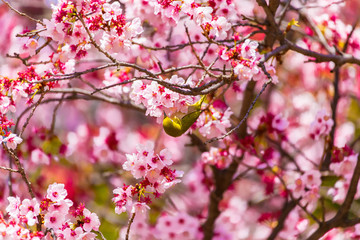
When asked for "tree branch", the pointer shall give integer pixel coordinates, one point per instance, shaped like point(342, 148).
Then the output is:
point(341, 216)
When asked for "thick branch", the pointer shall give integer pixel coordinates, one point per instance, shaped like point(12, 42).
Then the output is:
point(334, 103)
point(341, 216)
point(224, 178)
point(287, 208)
point(320, 57)
point(273, 31)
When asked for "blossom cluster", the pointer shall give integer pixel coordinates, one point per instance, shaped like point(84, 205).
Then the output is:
point(53, 212)
point(78, 25)
point(321, 126)
point(116, 77)
point(178, 226)
point(159, 100)
point(214, 24)
point(307, 186)
point(215, 120)
point(273, 124)
point(169, 225)
point(217, 156)
point(156, 177)
point(335, 31)
point(12, 90)
point(343, 163)
point(245, 59)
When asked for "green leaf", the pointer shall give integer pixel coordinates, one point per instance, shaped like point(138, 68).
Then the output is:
point(353, 115)
point(328, 206)
point(329, 181)
point(52, 145)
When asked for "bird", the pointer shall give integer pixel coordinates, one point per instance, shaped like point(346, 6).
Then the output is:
point(176, 127)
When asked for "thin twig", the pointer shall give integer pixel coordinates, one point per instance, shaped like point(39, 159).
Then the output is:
point(23, 14)
point(9, 169)
point(69, 76)
point(332, 3)
point(269, 14)
point(53, 235)
point(286, 154)
point(20, 169)
point(197, 56)
point(32, 113)
point(284, 11)
point(129, 226)
point(350, 34)
point(301, 153)
point(242, 174)
point(9, 180)
point(318, 33)
point(52, 126)
point(334, 103)
point(244, 118)
point(100, 234)
point(80, 94)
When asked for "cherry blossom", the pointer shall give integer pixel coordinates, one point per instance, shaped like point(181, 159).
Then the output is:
point(12, 141)
point(322, 125)
point(54, 219)
point(56, 192)
point(155, 172)
point(91, 221)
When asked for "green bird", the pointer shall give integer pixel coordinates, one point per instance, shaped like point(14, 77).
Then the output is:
point(176, 127)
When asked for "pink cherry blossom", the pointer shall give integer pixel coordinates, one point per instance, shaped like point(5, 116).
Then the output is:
point(111, 11)
point(202, 15)
point(31, 209)
point(54, 219)
point(91, 221)
point(87, 236)
point(322, 125)
point(14, 206)
point(12, 141)
point(39, 157)
point(311, 178)
point(279, 122)
point(56, 192)
point(220, 27)
point(72, 234)
point(61, 206)
point(345, 168)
